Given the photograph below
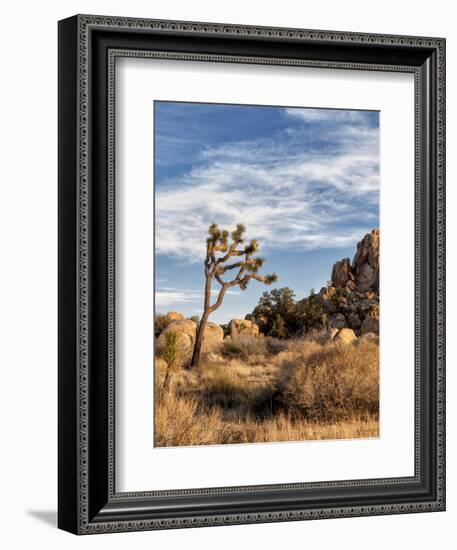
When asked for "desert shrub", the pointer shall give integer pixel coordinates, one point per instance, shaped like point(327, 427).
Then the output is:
point(303, 346)
point(170, 354)
point(245, 345)
point(275, 345)
point(333, 382)
point(160, 322)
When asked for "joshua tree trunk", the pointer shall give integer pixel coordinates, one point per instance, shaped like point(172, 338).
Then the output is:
point(215, 267)
point(206, 312)
point(198, 342)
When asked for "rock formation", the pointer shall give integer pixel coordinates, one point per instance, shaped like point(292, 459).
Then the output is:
point(341, 274)
point(352, 298)
point(363, 274)
point(365, 265)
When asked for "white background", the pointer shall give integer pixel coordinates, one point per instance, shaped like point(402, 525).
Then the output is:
point(140, 466)
point(28, 354)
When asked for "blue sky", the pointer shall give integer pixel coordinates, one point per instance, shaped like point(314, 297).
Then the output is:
point(305, 182)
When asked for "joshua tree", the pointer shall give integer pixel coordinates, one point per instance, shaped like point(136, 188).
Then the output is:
point(218, 255)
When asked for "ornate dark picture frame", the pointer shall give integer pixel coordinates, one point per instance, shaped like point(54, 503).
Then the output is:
point(88, 47)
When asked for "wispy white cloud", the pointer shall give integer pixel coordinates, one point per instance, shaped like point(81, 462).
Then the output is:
point(328, 115)
point(171, 296)
point(287, 194)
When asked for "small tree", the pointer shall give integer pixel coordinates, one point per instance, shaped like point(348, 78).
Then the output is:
point(218, 255)
point(310, 314)
point(170, 354)
point(276, 311)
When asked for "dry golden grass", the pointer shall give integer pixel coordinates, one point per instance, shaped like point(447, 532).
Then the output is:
point(181, 421)
point(300, 391)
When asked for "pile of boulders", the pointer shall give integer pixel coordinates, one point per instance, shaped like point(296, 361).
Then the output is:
point(213, 337)
point(351, 300)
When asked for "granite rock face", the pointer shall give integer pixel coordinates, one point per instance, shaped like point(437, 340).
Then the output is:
point(363, 274)
point(243, 327)
point(365, 265)
point(341, 274)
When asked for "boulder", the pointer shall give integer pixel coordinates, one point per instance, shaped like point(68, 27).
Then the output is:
point(187, 330)
point(174, 316)
point(346, 336)
point(370, 325)
point(212, 337)
point(243, 327)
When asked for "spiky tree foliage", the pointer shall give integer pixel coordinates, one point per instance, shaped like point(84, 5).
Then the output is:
point(170, 354)
point(222, 252)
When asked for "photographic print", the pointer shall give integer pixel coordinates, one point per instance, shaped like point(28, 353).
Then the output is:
point(267, 303)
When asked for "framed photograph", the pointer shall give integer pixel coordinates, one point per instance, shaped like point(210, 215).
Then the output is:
point(251, 274)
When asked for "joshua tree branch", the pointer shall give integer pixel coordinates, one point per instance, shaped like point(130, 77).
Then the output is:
point(219, 300)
